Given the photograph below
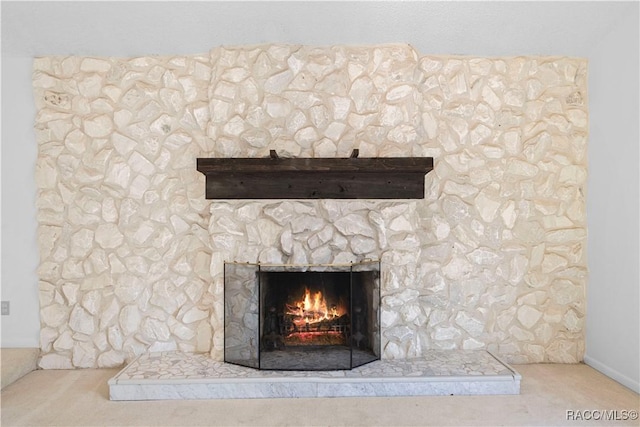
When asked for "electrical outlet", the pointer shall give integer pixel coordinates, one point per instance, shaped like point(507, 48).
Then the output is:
point(5, 308)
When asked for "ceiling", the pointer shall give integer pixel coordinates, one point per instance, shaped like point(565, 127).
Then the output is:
point(432, 27)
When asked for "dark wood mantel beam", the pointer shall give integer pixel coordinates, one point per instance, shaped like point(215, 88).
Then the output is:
point(315, 178)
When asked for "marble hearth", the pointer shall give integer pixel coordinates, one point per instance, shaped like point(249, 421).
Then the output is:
point(179, 375)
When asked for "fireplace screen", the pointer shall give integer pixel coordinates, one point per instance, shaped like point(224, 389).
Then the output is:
point(307, 317)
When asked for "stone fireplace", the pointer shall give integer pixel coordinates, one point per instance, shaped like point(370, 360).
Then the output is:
point(308, 317)
point(132, 253)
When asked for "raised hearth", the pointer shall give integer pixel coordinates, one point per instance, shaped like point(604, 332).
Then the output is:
point(177, 375)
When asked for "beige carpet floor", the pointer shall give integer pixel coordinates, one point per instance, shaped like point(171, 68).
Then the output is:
point(80, 398)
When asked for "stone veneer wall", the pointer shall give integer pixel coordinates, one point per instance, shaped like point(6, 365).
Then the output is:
point(132, 253)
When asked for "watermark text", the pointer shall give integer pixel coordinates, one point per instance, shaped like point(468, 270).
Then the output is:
point(602, 414)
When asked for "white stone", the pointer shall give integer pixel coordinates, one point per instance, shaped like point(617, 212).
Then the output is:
point(91, 302)
point(194, 314)
point(484, 256)
point(109, 315)
point(399, 92)
point(345, 258)
point(81, 321)
point(572, 322)
point(521, 334)
point(98, 127)
point(487, 206)
point(552, 262)
point(110, 359)
point(388, 317)
point(160, 346)
point(47, 237)
point(286, 241)
point(360, 91)
point(405, 242)
point(119, 174)
point(181, 331)
point(460, 190)
point(471, 324)
point(509, 214)
point(401, 298)
point(128, 288)
point(412, 313)
point(70, 292)
point(277, 107)
point(140, 164)
point(457, 268)
point(362, 245)
point(438, 252)
point(440, 228)
point(235, 74)
point(129, 319)
point(354, 224)
point(400, 333)
point(340, 107)
point(89, 65)
point(521, 168)
point(90, 86)
point(278, 82)
point(46, 173)
point(472, 344)
point(306, 136)
point(203, 337)
point(528, 316)
point(72, 269)
point(143, 232)
point(100, 341)
point(401, 223)
point(108, 236)
point(154, 330)
point(518, 267)
point(514, 97)
point(114, 337)
point(55, 361)
point(566, 235)
point(304, 223)
point(81, 243)
point(393, 351)
point(335, 131)
point(446, 333)
point(319, 116)
point(84, 355)
point(76, 142)
point(321, 255)
point(455, 209)
point(295, 121)
point(64, 342)
point(578, 118)
point(298, 254)
point(139, 186)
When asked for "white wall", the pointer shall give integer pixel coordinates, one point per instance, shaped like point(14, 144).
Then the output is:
point(19, 245)
point(612, 205)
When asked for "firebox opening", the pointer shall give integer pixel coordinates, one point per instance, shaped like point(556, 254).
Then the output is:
point(315, 320)
point(305, 309)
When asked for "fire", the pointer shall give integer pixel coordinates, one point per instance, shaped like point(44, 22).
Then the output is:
point(312, 308)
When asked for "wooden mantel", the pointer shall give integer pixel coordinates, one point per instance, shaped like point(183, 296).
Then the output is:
point(315, 178)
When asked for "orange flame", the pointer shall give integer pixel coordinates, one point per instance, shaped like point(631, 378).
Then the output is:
point(312, 308)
